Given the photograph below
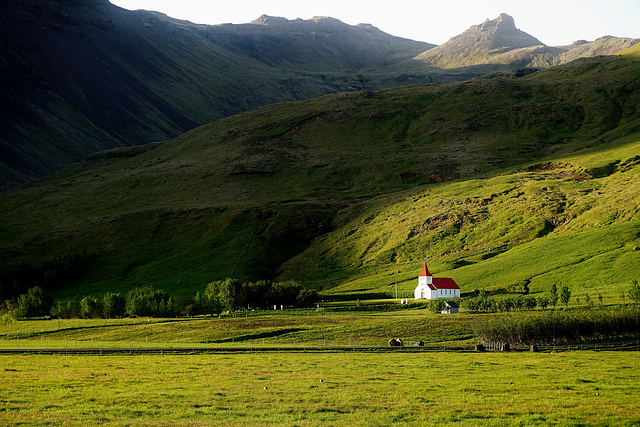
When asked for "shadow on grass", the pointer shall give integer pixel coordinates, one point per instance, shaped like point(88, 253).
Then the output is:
point(258, 335)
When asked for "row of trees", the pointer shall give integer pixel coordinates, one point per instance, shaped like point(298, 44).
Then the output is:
point(142, 301)
point(484, 304)
point(232, 294)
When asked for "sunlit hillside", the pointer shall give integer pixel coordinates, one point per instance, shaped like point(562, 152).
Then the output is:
point(488, 179)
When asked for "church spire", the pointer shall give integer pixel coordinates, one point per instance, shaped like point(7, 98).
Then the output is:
point(425, 270)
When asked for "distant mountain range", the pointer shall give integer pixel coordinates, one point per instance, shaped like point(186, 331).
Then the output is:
point(82, 76)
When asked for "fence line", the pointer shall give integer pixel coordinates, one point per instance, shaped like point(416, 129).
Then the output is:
point(191, 348)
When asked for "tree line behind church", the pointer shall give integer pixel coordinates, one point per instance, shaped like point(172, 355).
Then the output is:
point(232, 294)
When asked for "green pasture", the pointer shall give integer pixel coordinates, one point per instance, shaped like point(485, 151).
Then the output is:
point(496, 389)
point(303, 328)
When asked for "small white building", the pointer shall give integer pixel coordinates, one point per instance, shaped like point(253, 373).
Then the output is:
point(430, 287)
point(450, 307)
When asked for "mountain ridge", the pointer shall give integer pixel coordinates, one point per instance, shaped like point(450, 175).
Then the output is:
point(83, 76)
point(498, 41)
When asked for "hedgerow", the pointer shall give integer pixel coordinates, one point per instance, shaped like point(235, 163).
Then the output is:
point(557, 327)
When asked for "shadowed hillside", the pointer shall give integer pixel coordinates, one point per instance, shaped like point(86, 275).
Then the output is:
point(83, 76)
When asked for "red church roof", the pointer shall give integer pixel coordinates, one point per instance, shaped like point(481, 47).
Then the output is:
point(425, 270)
point(442, 283)
point(445, 283)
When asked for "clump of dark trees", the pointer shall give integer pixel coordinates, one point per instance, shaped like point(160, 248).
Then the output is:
point(141, 301)
point(47, 274)
point(145, 301)
point(232, 295)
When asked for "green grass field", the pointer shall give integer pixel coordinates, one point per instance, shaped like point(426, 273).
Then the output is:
point(309, 328)
point(572, 388)
point(314, 385)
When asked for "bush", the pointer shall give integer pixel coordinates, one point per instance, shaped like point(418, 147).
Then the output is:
point(283, 293)
point(35, 303)
point(436, 305)
point(209, 303)
point(66, 310)
point(90, 308)
point(565, 295)
point(306, 298)
point(552, 327)
point(232, 295)
point(113, 305)
point(634, 292)
point(145, 301)
point(543, 301)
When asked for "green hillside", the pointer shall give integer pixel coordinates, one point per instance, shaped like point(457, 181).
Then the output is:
point(495, 181)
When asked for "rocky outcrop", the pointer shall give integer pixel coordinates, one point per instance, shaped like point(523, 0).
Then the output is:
point(498, 41)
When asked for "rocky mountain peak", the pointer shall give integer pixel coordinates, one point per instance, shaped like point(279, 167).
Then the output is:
point(493, 36)
point(270, 20)
point(498, 33)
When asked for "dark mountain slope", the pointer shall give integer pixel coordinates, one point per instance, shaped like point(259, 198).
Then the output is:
point(283, 190)
point(320, 44)
point(82, 76)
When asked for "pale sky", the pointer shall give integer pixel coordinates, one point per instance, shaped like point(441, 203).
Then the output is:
point(553, 22)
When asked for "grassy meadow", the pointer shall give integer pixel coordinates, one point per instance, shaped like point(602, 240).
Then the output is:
point(318, 385)
point(303, 328)
point(570, 388)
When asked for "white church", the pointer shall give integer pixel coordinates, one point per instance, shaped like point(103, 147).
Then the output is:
point(430, 287)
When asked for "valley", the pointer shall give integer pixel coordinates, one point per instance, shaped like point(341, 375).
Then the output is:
point(244, 207)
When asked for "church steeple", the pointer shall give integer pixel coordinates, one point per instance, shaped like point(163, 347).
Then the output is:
point(425, 270)
point(424, 276)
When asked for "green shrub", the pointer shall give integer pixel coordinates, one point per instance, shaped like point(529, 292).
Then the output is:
point(145, 301)
point(565, 295)
point(35, 303)
point(69, 309)
point(634, 292)
point(113, 305)
point(436, 305)
point(90, 307)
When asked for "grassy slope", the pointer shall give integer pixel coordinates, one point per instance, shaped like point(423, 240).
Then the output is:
point(541, 225)
point(243, 195)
